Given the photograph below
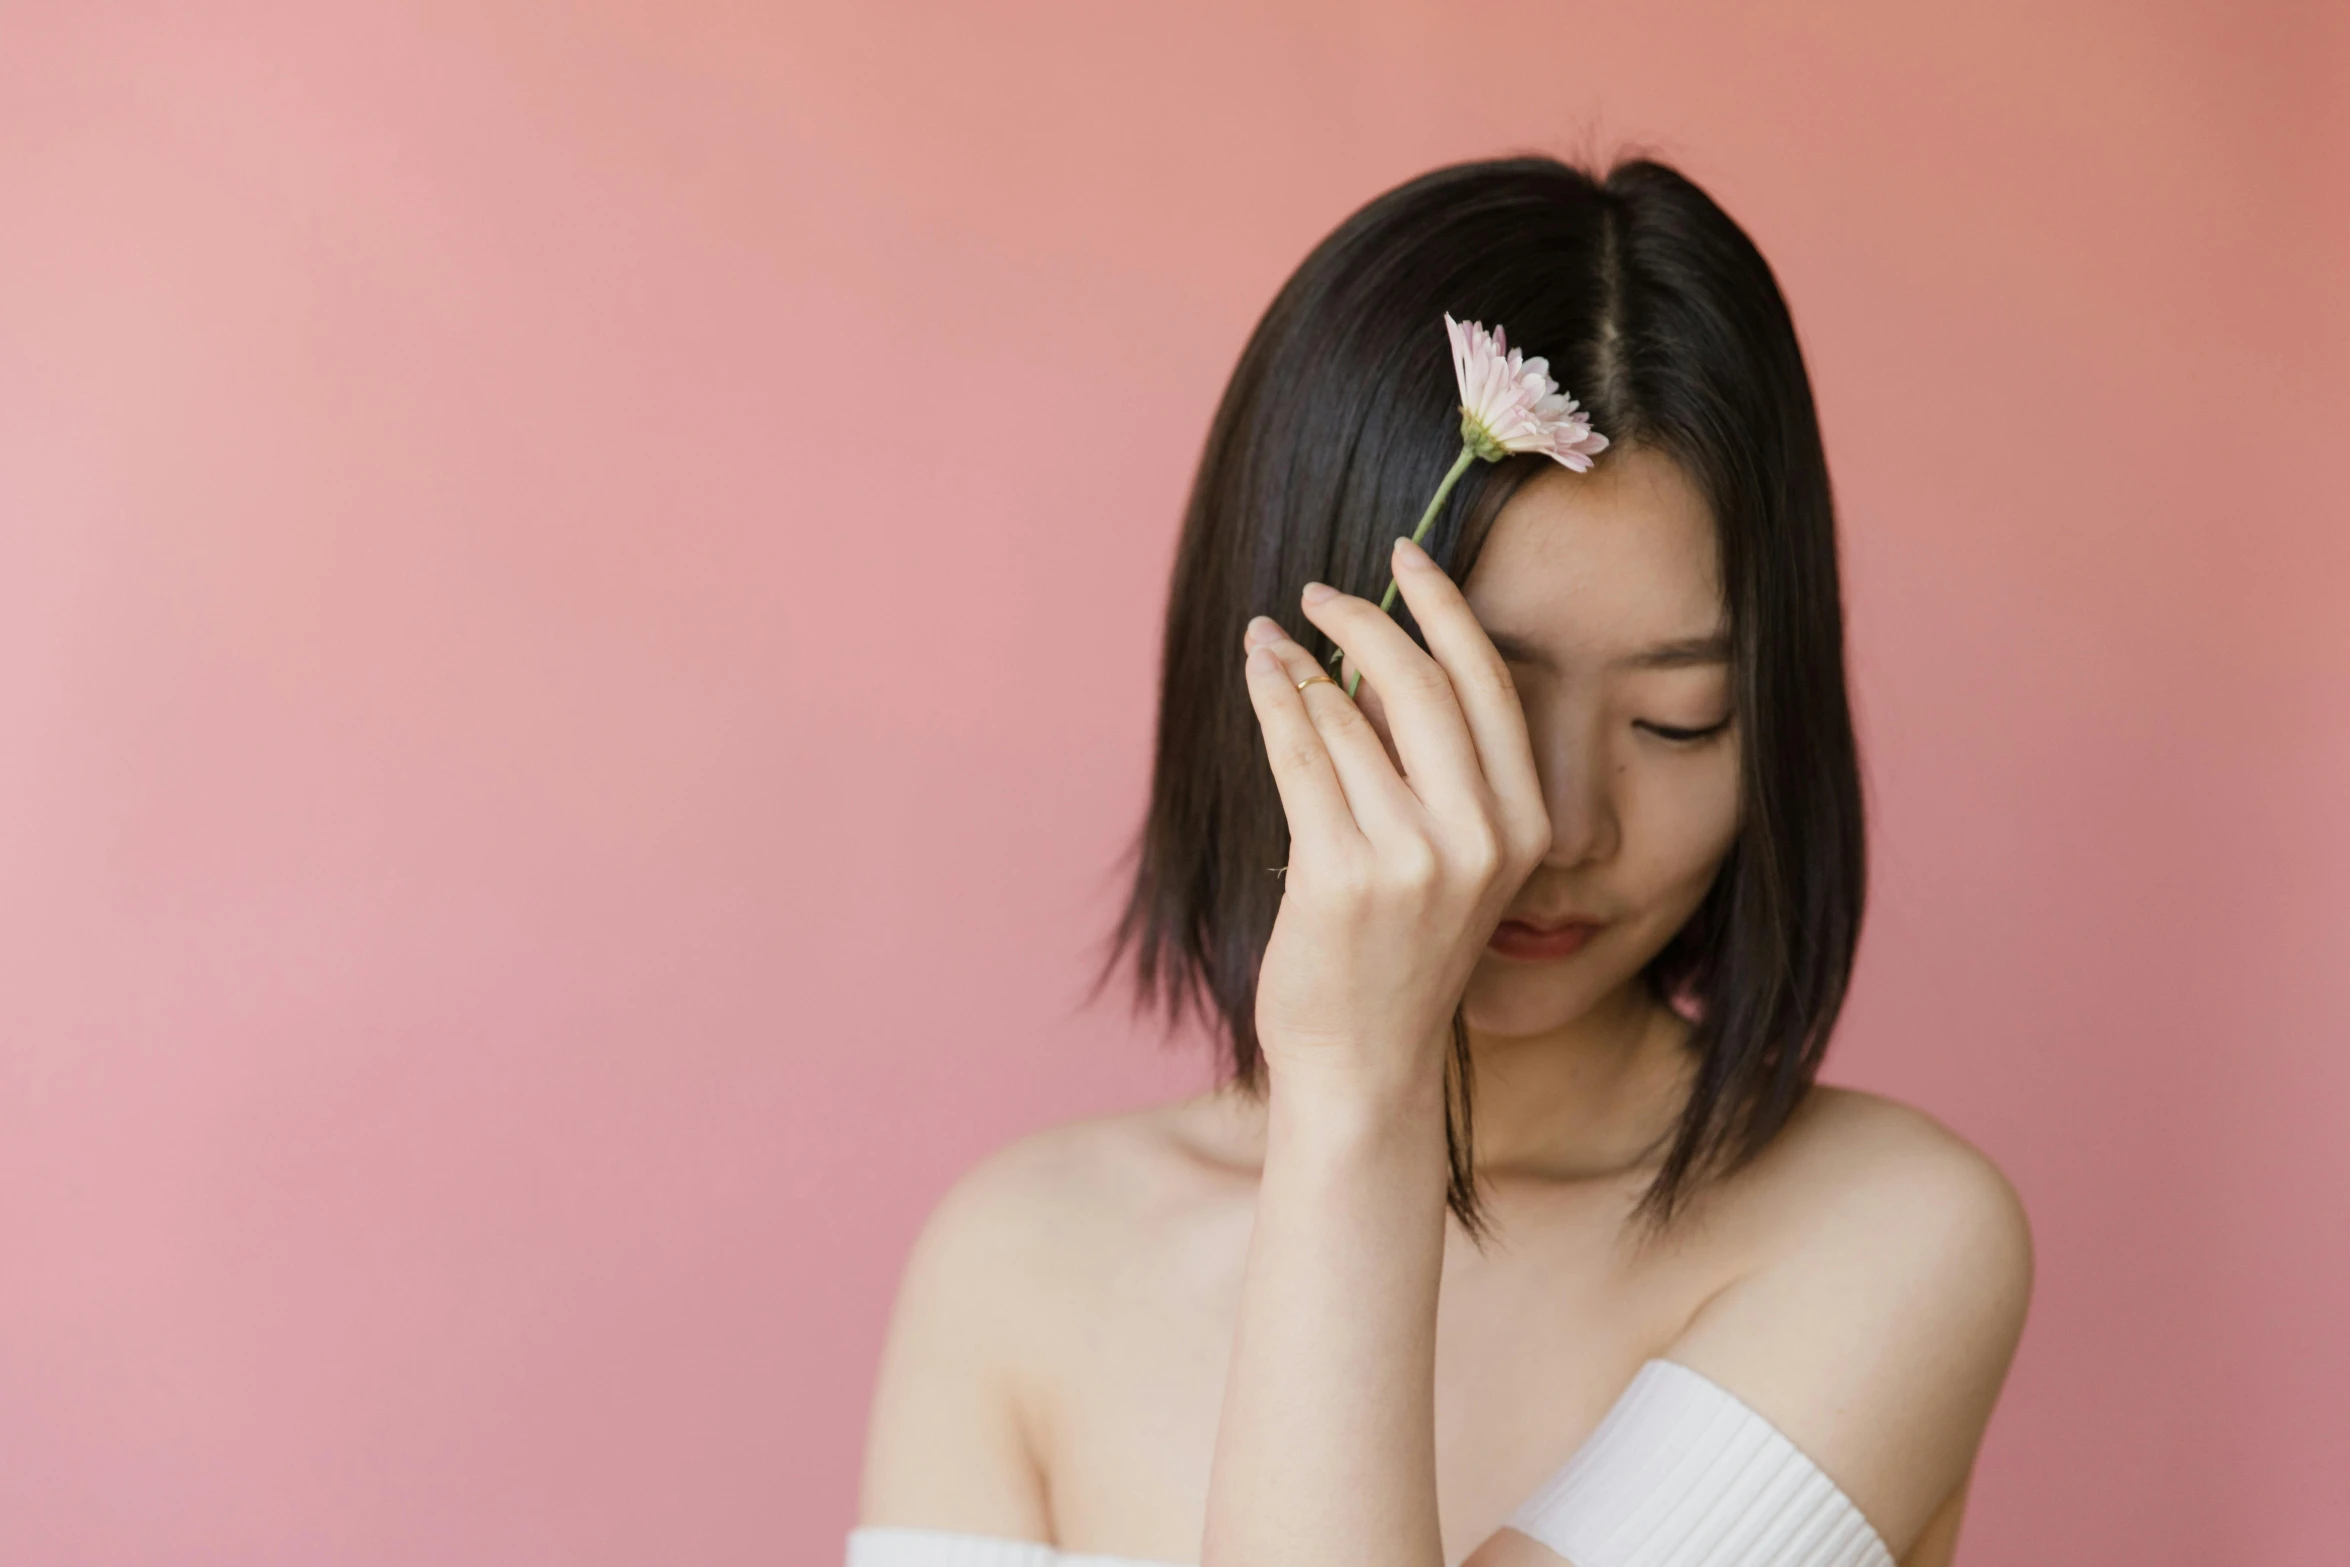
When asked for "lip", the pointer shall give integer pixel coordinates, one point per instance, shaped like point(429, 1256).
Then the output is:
point(1529, 941)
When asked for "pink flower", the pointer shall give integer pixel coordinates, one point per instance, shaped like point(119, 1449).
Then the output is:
point(1509, 403)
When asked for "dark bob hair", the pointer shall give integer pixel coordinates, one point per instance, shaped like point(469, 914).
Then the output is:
point(1656, 310)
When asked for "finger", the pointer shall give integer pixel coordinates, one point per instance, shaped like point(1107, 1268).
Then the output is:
point(1383, 805)
point(1320, 820)
point(1481, 681)
point(1367, 698)
point(1423, 716)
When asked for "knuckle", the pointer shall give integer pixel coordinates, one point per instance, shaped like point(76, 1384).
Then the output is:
point(1425, 678)
point(1413, 866)
point(1526, 835)
point(1480, 851)
point(1296, 753)
point(1493, 675)
point(1345, 877)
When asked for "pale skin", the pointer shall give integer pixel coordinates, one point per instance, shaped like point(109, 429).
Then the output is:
point(1242, 1333)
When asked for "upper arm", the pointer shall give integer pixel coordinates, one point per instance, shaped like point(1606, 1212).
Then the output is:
point(1878, 1339)
point(948, 1445)
point(1938, 1546)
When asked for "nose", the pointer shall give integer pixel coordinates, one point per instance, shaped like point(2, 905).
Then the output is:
point(1578, 789)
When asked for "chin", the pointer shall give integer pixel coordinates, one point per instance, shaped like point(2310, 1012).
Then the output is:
point(1513, 1000)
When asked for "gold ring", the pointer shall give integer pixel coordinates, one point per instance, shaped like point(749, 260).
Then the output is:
point(1310, 679)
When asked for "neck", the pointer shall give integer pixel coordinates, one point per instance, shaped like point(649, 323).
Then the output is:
point(1594, 1098)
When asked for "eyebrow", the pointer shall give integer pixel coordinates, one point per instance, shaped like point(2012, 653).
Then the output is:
point(1713, 649)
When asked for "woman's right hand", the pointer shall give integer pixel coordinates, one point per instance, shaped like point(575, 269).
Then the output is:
point(1396, 879)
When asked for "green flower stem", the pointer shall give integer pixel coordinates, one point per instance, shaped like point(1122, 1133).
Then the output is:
point(1427, 519)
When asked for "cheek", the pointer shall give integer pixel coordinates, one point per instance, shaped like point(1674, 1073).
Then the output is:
point(1678, 816)
point(1682, 820)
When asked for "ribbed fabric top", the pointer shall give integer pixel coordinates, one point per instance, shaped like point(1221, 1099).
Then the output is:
point(1679, 1473)
point(1682, 1473)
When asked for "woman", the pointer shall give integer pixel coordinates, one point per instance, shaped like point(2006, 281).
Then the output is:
point(1546, 927)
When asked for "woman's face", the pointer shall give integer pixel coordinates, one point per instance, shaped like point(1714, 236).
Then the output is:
point(1602, 590)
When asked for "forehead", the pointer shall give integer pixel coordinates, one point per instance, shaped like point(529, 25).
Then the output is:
point(1597, 564)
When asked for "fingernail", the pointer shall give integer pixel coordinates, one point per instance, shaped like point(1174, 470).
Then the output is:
point(1263, 628)
point(1261, 660)
point(1409, 554)
point(1316, 592)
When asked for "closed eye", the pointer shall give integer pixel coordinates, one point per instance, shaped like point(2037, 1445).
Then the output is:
point(1683, 736)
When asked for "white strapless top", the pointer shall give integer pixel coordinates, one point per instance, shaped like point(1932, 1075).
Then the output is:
point(1680, 1472)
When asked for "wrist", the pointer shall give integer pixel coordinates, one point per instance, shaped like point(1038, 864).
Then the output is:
point(1369, 1167)
point(1343, 1110)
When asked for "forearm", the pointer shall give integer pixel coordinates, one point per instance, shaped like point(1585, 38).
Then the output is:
point(1326, 1451)
point(1326, 1448)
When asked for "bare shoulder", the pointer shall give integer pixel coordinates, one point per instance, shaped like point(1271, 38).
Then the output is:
point(1878, 1324)
point(1073, 1196)
point(1860, 1166)
point(1003, 1271)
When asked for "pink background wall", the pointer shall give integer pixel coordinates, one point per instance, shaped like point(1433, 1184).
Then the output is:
point(578, 590)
